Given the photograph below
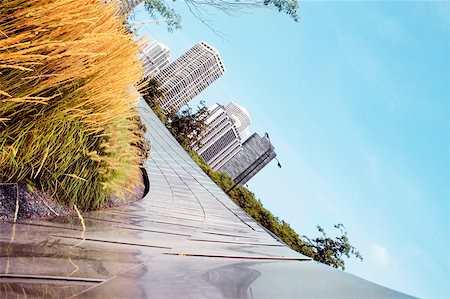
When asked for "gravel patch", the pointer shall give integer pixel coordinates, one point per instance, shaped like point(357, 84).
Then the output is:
point(37, 204)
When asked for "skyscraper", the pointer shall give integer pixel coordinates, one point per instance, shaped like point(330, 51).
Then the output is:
point(240, 117)
point(190, 74)
point(221, 141)
point(155, 57)
point(256, 153)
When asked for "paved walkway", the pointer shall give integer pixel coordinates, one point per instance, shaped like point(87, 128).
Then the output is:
point(185, 239)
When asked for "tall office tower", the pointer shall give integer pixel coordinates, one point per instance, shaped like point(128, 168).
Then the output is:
point(221, 140)
point(190, 74)
point(240, 116)
point(256, 153)
point(155, 57)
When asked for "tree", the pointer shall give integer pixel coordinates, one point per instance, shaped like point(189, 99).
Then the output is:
point(160, 9)
point(331, 251)
point(188, 127)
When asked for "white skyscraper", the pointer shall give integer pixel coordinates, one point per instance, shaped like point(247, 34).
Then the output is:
point(190, 74)
point(240, 116)
point(155, 57)
point(222, 140)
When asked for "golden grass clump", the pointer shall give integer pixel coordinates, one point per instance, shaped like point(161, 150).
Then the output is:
point(67, 114)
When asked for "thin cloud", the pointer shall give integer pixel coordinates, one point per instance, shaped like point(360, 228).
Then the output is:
point(380, 254)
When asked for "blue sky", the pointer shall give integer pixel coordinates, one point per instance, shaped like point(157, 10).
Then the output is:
point(355, 98)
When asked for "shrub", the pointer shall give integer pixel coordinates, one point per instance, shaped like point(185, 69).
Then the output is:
point(67, 115)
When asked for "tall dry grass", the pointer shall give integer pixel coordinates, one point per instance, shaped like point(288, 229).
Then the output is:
point(67, 116)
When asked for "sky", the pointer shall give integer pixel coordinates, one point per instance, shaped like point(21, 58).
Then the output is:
point(355, 98)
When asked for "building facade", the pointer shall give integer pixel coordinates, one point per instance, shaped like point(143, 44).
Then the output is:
point(155, 57)
point(240, 117)
point(256, 153)
point(221, 140)
point(190, 74)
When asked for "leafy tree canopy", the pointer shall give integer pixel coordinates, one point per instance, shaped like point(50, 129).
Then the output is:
point(188, 126)
point(331, 251)
point(160, 9)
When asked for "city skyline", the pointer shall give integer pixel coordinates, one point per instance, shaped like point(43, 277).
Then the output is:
point(358, 108)
point(220, 145)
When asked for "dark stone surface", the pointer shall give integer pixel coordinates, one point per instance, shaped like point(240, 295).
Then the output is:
point(37, 204)
point(31, 204)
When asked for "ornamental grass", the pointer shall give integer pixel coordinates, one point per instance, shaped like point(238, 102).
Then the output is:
point(67, 115)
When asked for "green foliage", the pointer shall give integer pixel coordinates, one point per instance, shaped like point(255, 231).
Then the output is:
point(188, 126)
point(331, 250)
point(140, 142)
point(153, 95)
point(289, 7)
point(199, 160)
point(160, 9)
